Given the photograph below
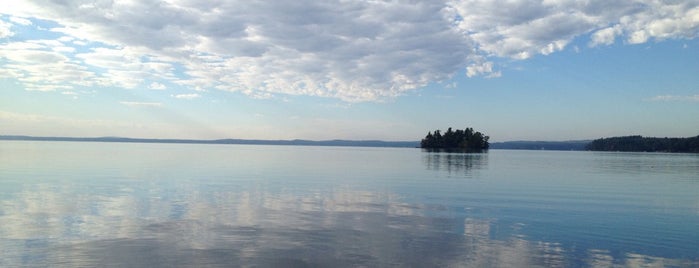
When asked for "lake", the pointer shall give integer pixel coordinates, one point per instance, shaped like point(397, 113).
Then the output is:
point(77, 204)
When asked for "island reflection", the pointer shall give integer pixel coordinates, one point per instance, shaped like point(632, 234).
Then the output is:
point(454, 162)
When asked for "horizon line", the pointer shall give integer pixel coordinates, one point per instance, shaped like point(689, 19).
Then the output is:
point(32, 137)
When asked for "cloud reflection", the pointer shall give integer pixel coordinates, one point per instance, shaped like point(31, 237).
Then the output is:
point(221, 227)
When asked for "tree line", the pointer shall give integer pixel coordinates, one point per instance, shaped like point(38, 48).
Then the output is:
point(466, 139)
point(645, 144)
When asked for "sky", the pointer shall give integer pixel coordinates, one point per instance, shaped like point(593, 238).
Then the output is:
point(388, 70)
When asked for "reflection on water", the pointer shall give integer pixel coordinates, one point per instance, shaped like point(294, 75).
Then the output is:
point(222, 216)
point(225, 228)
point(642, 163)
point(455, 162)
point(344, 228)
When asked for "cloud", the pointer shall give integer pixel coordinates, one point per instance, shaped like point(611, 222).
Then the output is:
point(5, 29)
point(484, 68)
point(20, 21)
point(606, 36)
point(187, 96)
point(125, 67)
point(38, 67)
point(141, 104)
point(157, 86)
point(521, 29)
point(354, 51)
point(691, 98)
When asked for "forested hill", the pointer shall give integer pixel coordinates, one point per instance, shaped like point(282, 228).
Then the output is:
point(645, 144)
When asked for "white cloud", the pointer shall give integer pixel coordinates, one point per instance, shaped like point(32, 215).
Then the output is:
point(49, 87)
point(5, 30)
point(484, 68)
point(186, 96)
point(692, 98)
point(157, 86)
point(354, 51)
point(605, 36)
point(521, 29)
point(125, 67)
point(35, 57)
point(141, 104)
point(20, 21)
point(638, 37)
point(38, 67)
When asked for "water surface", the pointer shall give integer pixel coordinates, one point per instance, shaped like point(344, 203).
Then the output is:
point(68, 204)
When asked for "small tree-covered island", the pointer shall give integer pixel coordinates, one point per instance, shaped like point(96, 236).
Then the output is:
point(465, 140)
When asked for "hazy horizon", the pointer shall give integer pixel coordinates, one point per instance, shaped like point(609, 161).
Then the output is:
point(330, 139)
point(365, 70)
point(50, 138)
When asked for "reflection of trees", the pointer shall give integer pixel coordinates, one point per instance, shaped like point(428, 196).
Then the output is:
point(455, 163)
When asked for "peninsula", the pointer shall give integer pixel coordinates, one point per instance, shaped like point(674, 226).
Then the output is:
point(645, 144)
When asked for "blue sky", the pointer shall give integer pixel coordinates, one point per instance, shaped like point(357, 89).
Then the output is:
point(515, 70)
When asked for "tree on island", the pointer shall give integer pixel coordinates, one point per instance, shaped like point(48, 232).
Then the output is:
point(466, 139)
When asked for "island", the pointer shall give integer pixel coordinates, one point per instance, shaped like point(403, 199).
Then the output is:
point(638, 143)
point(466, 140)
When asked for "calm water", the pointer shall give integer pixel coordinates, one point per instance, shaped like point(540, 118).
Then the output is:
point(68, 204)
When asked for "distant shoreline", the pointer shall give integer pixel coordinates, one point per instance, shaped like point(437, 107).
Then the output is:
point(615, 144)
point(508, 145)
point(297, 142)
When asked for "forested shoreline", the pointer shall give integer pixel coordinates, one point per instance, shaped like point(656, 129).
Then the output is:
point(645, 144)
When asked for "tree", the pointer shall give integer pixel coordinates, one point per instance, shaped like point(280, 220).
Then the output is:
point(466, 140)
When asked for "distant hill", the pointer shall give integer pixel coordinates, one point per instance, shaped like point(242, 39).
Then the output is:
point(513, 145)
point(359, 143)
point(541, 145)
